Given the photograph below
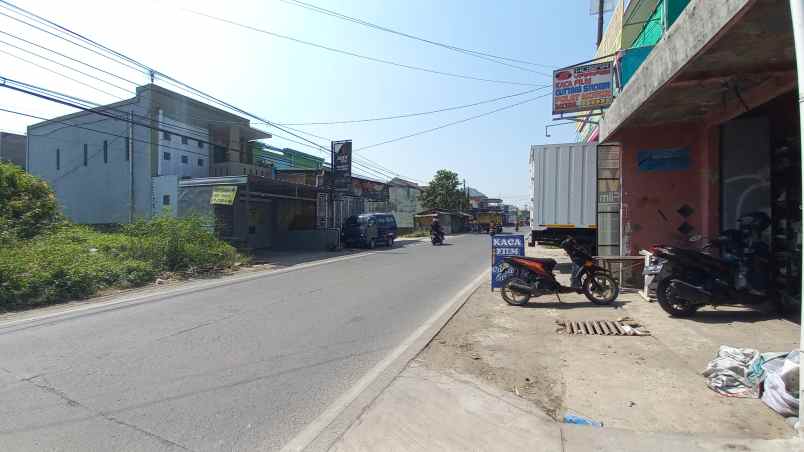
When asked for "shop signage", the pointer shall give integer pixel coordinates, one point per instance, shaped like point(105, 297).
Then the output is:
point(503, 246)
point(342, 166)
point(663, 160)
point(582, 88)
point(223, 194)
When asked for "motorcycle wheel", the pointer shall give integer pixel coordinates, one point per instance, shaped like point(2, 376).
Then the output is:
point(671, 304)
point(513, 297)
point(600, 288)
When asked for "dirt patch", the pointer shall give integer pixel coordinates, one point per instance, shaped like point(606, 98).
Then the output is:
point(649, 383)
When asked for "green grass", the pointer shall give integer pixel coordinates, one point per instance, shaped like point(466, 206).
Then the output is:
point(73, 262)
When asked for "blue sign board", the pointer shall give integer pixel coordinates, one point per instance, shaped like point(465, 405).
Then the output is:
point(663, 160)
point(502, 246)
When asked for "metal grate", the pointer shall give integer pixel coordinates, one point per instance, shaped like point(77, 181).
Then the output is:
point(620, 327)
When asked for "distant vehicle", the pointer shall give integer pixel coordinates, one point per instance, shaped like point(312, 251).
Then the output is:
point(486, 219)
point(564, 193)
point(436, 239)
point(369, 230)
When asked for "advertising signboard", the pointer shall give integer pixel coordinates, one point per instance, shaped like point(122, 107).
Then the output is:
point(582, 88)
point(503, 246)
point(342, 165)
point(223, 194)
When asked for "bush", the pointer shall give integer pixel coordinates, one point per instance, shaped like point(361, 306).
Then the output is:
point(179, 244)
point(28, 206)
point(73, 262)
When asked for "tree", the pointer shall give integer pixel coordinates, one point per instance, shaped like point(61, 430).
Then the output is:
point(27, 204)
point(444, 192)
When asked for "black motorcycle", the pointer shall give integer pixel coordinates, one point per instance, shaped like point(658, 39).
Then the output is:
point(436, 238)
point(687, 279)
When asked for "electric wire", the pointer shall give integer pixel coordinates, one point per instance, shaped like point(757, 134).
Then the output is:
point(475, 53)
point(353, 54)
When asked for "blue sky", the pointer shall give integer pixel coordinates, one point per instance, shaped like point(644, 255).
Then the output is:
point(288, 82)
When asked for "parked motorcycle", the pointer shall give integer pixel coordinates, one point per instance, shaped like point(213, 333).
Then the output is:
point(436, 239)
point(534, 277)
point(687, 279)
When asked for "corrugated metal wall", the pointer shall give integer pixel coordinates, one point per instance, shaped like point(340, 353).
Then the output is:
point(563, 184)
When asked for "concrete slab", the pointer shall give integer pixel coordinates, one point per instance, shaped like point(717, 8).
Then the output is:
point(578, 438)
point(429, 410)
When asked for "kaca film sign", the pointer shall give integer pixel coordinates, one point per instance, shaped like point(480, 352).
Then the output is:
point(582, 88)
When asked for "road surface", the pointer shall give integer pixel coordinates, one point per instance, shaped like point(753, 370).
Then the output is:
point(244, 366)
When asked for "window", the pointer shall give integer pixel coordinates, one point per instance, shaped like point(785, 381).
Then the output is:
point(166, 135)
point(165, 200)
point(86, 155)
point(200, 144)
point(244, 171)
point(105, 151)
point(166, 156)
point(184, 159)
point(200, 162)
point(183, 140)
point(58, 159)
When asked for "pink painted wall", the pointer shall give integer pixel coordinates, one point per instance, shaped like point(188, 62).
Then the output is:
point(646, 194)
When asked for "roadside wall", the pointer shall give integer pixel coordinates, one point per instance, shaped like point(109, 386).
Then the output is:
point(652, 197)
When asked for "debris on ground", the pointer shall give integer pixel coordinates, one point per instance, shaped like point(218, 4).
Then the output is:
point(624, 326)
point(781, 383)
point(580, 420)
point(745, 372)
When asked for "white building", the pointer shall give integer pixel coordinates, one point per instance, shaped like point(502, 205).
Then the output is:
point(85, 156)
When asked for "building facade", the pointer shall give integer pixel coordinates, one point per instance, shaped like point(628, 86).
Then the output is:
point(12, 149)
point(404, 202)
point(705, 126)
point(117, 162)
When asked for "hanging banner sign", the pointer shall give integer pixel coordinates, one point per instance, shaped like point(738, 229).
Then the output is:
point(342, 165)
point(582, 88)
point(223, 194)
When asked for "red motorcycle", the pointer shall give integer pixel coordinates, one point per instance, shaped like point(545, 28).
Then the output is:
point(533, 277)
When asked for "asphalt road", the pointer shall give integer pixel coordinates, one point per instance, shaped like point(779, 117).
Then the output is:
point(245, 366)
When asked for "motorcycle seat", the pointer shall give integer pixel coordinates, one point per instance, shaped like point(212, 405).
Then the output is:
point(549, 264)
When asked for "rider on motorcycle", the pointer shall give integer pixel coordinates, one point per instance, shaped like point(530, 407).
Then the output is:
point(435, 228)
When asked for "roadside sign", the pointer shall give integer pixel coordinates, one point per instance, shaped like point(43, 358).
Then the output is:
point(582, 88)
point(223, 194)
point(503, 246)
point(342, 166)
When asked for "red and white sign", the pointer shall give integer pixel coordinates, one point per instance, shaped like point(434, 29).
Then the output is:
point(582, 88)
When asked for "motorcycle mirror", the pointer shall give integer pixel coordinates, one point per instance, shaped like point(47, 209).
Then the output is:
point(695, 238)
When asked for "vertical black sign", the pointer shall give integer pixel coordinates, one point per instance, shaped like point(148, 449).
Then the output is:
point(342, 165)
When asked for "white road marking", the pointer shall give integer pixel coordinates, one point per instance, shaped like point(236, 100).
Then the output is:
point(315, 428)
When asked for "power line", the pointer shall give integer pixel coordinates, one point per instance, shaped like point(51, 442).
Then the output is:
point(404, 137)
point(408, 115)
point(42, 20)
point(45, 68)
point(69, 58)
point(65, 66)
point(366, 161)
point(150, 70)
point(356, 55)
point(321, 149)
point(476, 53)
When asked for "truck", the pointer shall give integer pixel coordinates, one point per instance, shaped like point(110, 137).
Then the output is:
point(563, 186)
point(486, 218)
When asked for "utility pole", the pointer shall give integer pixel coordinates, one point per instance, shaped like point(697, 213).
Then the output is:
point(331, 206)
point(797, 15)
point(130, 167)
point(600, 5)
point(463, 204)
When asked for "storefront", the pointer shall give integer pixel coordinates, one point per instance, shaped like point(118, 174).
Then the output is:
point(707, 129)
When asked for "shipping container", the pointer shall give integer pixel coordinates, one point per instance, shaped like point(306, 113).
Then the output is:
point(563, 182)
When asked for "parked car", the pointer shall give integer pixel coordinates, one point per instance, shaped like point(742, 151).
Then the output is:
point(369, 229)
